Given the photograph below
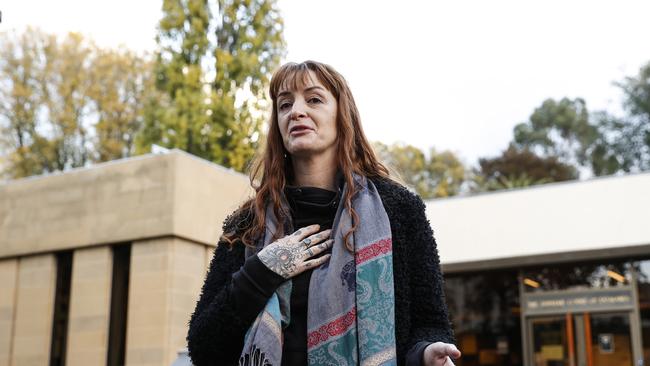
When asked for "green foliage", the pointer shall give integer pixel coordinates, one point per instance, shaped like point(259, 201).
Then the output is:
point(561, 129)
point(517, 167)
point(212, 96)
point(65, 103)
point(179, 113)
point(633, 146)
point(599, 142)
point(441, 174)
point(250, 45)
point(21, 77)
point(120, 88)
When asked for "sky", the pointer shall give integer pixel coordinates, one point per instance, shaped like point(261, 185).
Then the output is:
point(456, 75)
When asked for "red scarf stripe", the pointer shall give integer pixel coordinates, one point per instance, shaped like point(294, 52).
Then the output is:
point(376, 249)
point(332, 329)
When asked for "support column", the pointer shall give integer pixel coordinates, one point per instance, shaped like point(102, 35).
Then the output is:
point(8, 277)
point(34, 310)
point(165, 281)
point(90, 306)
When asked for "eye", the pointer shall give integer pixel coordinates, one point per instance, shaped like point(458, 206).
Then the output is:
point(315, 100)
point(284, 105)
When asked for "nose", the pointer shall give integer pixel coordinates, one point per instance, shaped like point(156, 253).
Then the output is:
point(297, 110)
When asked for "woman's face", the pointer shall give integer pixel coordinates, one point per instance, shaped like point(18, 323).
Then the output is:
point(307, 119)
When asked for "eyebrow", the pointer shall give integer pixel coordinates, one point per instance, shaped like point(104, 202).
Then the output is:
point(304, 90)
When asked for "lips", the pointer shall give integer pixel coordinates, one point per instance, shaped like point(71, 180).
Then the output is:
point(300, 128)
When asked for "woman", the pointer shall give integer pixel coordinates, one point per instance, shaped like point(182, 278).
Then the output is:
point(358, 282)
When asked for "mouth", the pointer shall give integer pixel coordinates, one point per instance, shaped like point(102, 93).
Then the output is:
point(299, 129)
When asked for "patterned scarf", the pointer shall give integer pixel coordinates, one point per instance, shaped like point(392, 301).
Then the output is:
point(350, 317)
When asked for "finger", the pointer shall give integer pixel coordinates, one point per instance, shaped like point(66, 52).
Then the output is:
point(316, 238)
point(313, 263)
point(317, 249)
point(303, 232)
point(449, 362)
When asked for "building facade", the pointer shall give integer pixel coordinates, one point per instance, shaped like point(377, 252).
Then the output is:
point(103, 265)
point(555, 275)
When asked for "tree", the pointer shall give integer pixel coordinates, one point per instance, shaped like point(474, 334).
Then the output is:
point(20, 70)
point(250, 45)
point(121, 86)
point(441, 174)
point(559, 129)
point(445, 172)
point(44, 102)
point(65, 103)
point(634, 144)
point(65, 91)
point(517, 167)
point(180, 116)
point(215, 111)
point(611, 152)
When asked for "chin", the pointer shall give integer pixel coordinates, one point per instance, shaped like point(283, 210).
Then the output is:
point(303, 152)
point(307, 148)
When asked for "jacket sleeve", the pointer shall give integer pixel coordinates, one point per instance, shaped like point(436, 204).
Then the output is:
point(429, 314)
point(216, 331)
point(233, 293)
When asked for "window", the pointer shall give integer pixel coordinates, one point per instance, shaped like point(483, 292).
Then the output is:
point(119, 305)
point(485, 313)
point(61, 308)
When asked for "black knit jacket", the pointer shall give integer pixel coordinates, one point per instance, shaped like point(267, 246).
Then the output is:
point(216, 330)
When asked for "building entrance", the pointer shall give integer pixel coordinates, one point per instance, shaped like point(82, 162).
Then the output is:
point(595, 327)
point(581, 339)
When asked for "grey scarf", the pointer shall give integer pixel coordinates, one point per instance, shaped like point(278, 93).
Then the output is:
point(350, 317)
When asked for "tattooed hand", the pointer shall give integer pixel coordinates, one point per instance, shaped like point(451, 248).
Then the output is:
point(291, 255)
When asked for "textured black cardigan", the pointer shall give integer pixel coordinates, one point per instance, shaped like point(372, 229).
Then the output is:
point(216, 330)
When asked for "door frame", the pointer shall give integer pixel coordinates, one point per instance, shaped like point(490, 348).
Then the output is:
point(578, 344)
point(631, 308)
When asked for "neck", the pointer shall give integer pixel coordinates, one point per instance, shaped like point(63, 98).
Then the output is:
point(315, 171)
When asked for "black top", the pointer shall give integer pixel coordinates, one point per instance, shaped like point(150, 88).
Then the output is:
point(235, 291)
point(309, 205)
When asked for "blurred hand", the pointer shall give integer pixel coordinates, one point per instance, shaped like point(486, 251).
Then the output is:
point(440, 354)
point(290, 256)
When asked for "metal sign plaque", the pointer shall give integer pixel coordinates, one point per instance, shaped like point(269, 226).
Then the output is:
point(555, 302)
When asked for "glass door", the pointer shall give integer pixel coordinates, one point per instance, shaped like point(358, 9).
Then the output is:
point(584, 339)
point(553, 342)
point(607, 339)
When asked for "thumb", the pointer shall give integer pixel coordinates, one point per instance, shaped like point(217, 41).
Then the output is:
point(452, 351)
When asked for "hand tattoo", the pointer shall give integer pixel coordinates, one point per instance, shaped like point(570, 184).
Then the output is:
point(292, 254)
point(281, 260)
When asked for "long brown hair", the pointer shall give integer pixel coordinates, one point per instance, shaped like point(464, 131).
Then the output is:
point(271, 170)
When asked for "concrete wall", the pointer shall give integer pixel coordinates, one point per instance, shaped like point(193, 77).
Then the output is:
point(170, 208)
point(174, 194)
point(90, 306)
point(34, 304)
point(165, 280)
point(8, 289)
